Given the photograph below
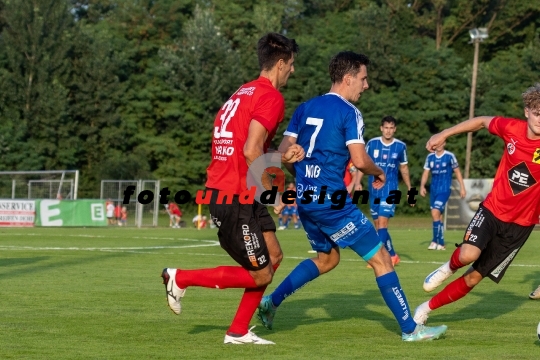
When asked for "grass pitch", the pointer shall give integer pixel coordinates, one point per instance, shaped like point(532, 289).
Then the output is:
point(97, 294)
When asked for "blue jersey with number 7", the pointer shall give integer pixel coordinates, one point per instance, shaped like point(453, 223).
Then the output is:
point(324, 126)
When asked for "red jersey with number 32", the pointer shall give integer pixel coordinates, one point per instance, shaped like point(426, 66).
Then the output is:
point(515, 193)
point(258, 100)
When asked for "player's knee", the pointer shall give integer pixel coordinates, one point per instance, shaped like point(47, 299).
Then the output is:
point(472, 279)
point(467, 257)
point(264, 277)
point(276, 258)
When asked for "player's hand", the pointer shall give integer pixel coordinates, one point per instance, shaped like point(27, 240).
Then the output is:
point(423, 192)
point(350, 188)
point(378, 181)
point(411, 205)
point(462, 192)
point(435, 141)
point(293, 154)
point(358, 187)
point(279, 208)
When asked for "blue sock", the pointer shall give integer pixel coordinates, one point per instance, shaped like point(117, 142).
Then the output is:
point(436, 231)
point(395, 299)
point(280, 222)
point(386, 240)
point(300, 276)
point(441, 233)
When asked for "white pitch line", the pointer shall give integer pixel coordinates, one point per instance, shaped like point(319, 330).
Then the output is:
point(140, 250)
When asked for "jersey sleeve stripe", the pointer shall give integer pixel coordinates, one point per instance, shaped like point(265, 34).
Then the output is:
point(291, 134)
point(356, 141)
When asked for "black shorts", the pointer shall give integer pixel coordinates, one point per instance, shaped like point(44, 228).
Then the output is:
point(240, 230)
point(499, 242)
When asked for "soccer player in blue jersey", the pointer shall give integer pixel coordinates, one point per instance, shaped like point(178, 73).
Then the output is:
point(390, 154)
point(442, 164)
point(330, 129)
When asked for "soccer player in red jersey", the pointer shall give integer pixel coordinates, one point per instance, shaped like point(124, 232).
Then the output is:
point(505, 219)
point(244, 128)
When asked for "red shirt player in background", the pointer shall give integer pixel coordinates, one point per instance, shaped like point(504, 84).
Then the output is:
point(243, 130)
point(174, 215)
point(351, 179)
point(504, 221)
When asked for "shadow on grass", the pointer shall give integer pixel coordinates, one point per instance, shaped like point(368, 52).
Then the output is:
point(488, 306)
point(29, 265)
point(21, 261)
point(532, 278)
point(338, 307)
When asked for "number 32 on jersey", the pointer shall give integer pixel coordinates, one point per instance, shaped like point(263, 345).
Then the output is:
point(229, 109)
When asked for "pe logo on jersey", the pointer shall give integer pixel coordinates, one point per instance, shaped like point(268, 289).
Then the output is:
point(262, 166)
point(520, 178)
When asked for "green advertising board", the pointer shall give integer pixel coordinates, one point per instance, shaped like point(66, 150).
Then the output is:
point(70, 213)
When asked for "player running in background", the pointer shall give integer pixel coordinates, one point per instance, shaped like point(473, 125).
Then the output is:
point(505, 219)
point(331, 128)
point(243, 130)
point(175, 215)
point(442, 164)
point(390, 154)
point(289, 212)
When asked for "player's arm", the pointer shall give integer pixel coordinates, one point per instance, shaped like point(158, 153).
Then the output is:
point(470, 125)
point(423, 182)
point(291, 152)
point(363, 163)
point(253, 148)
point(462, 191)
point(404, 170)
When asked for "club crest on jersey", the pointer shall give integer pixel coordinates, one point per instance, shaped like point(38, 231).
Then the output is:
point(520, 178)
point(511, 148)
point(376, 153)
point(431, 164)
point(536, 156)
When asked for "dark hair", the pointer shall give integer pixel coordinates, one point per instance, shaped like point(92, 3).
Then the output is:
point(272, 47)
point(346, 62)
point(388, 119)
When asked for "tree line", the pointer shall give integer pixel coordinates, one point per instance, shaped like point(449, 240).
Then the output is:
point(127, 89)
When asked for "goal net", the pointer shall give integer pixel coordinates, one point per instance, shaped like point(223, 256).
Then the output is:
point(58, 184)
point(138, 214)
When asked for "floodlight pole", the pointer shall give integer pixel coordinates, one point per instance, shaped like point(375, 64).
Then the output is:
point(471, 106)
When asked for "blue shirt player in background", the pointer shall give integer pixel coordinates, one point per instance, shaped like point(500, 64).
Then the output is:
point(390, 154)
point(330, 129)
point(442, 165)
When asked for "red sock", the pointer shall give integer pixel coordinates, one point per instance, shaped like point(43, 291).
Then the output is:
point(452, 292)
point(454, 260)
point(221, 277)
point(248, 305)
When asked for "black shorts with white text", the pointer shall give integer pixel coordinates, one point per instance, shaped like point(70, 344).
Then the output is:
point(241, 228)
point(498, 241)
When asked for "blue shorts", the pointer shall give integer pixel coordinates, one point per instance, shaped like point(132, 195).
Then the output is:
point(382, 209)
point(329, 228)
point(438, 201)
point(290, 210)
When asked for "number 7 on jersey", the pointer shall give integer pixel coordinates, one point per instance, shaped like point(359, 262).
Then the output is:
point(318, 123)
